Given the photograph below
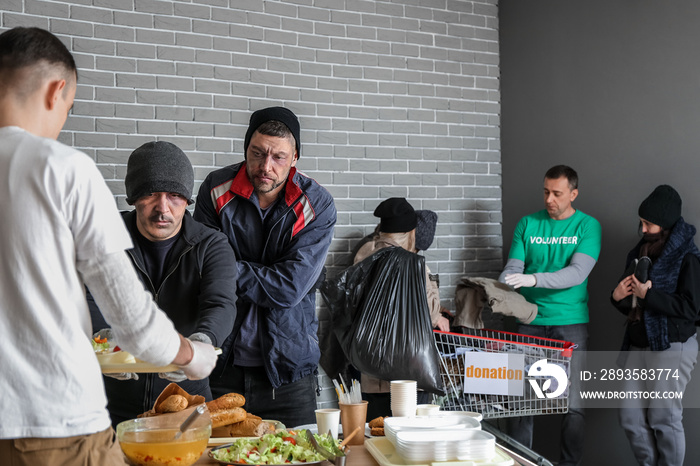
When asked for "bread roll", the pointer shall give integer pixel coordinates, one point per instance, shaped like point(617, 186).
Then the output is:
point(172, 404)
point(229, 400)
point(227, 416)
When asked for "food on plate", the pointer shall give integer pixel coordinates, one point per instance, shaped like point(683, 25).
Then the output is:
point(251, 426)
point(172, 404)
point(283, 447)
point(377, 431)
point(107, 353)
point(100, 344)
point(377, 422)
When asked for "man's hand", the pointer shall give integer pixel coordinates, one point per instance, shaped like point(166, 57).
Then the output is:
point(516, 280)
point(179, 375)
point(202, 362)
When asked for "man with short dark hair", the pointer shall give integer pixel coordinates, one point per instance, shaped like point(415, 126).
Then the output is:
point(280, 225)
point(188, 267)
point(551, 255)
point(60, 231)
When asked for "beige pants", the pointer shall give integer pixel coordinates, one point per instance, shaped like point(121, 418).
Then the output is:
point(100, 449)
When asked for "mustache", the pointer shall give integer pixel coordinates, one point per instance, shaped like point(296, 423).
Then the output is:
point(160, 218)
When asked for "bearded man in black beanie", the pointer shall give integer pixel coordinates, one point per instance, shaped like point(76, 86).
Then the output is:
point(280, 225)
point(660, 332)
point(188, 267)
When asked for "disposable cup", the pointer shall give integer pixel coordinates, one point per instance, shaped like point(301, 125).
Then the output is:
point(404, 396)
point(403, 411)
point(328, 419)
point(427, 410)
point(352, 416)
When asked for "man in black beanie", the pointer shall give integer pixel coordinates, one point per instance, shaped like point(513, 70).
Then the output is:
point(280, 225)
point(188, 267)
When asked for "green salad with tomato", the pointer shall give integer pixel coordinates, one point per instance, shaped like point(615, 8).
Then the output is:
point(282, 447)
point(100, 344)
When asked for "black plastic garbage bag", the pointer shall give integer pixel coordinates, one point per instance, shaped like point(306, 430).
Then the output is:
point(379, 312)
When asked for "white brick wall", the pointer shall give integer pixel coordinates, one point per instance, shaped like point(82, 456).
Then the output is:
point(395, 98)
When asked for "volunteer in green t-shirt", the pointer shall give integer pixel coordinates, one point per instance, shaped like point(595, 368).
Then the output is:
point(551, 255)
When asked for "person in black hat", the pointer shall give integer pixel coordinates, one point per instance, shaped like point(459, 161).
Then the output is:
point(280, 225)
point(660, 331)
point(188, 267)
point(397, 227)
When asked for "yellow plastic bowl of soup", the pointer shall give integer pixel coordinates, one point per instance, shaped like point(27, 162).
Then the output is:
point(150, 441)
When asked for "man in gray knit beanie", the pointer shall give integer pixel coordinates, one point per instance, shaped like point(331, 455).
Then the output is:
point(158, 166)
point(159, 181)
point(188, 267)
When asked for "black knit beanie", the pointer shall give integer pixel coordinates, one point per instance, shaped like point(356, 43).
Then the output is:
point(425, 229)
point(397, 215)
point(662, 207)
point(158, 166)
point(281, 114)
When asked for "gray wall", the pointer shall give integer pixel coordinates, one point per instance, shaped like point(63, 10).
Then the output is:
point(395, 98)
point(612, 89)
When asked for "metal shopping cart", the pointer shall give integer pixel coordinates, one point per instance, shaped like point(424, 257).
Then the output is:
point(454, 347)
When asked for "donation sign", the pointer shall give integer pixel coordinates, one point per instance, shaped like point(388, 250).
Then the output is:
point(494, 373)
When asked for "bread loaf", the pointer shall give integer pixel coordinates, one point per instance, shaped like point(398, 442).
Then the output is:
point(229, 400)
point(251, 426)
point(223, 417)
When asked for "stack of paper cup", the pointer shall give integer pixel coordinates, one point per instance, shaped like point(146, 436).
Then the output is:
point(404, 398)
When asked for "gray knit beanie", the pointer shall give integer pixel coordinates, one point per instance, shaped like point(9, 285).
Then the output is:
point(158, 166)
point(425, 229)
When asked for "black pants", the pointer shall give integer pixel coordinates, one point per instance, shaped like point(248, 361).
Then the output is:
point(292, 404)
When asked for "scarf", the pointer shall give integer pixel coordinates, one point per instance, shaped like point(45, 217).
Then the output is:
point(664, 277)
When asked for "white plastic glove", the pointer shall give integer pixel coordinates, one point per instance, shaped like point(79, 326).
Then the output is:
point(124, 376)
point(107, 333)
point(179, 375)
point(203, 361)
point(516, 280)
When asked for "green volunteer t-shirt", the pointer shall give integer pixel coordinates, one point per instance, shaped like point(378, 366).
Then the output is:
point(546, 245)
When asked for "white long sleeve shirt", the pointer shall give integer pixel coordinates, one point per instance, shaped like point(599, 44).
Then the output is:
point(58, 216)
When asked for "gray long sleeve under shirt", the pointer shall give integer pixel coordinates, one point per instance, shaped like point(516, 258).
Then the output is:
point(571, 275)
